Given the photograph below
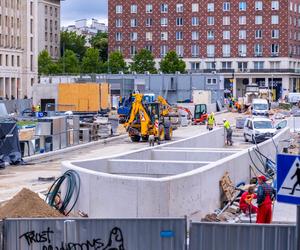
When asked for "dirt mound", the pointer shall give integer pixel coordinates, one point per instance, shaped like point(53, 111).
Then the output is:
point(27, 204)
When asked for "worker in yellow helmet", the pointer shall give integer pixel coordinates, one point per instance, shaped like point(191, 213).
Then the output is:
point(211, 121)
point(228, 131)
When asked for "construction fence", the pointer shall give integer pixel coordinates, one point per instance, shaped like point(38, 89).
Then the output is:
point(142, 234)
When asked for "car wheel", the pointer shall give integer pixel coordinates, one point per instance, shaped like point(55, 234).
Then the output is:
point(246, 140)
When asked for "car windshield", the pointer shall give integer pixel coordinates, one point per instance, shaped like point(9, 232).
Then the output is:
point(262, 124)
point(260, 106)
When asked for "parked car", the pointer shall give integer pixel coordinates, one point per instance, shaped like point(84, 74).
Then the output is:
point(258, 129)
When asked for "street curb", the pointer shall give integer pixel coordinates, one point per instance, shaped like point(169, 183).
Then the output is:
point(80, 146)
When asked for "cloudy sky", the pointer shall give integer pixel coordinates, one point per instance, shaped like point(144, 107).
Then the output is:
point(72, 10)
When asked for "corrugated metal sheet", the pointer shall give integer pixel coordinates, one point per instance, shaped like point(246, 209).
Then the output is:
point(101, 234)
point(223, 236)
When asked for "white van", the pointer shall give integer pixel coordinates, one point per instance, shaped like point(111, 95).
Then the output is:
point(293, 98)
point(258, 129)
point(260, 107)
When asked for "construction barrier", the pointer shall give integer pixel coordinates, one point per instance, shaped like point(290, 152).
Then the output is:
point(224, 236)
point(90, 234)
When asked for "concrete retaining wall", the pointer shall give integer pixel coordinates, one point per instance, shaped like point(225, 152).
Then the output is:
point(195, 191)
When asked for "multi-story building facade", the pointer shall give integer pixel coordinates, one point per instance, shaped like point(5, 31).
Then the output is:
point(249, 41)
point(49, 27)
point(18, 48)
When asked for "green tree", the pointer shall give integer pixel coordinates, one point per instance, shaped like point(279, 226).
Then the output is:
point(172, 63)
point(44, 62)
point(100, 42)
point(116, 63)
point(74, 42)
point(90, 61)
point(69, 62)
point(55, 68)
point(143, 61)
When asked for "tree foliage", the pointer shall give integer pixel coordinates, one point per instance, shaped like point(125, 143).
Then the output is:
point(100, 42)
point(90, 61)
point(69, 62)
point(44, 61)
point(143, 61)
point(172, 63)
point(116, 63)
point(74, 42)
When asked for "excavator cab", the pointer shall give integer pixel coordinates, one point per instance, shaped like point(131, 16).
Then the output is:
point(153, 110)
point(200, 114)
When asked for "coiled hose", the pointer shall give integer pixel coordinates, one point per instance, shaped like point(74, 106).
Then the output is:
point(72, 189)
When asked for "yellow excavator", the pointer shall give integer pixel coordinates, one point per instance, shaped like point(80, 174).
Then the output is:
point(149, 119)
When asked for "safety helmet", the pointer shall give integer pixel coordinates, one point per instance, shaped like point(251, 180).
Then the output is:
point(224, 120)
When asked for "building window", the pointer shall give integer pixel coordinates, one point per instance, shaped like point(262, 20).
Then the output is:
point(6, 60)
point(133, 36)
point(258, 19)
point(195, 21)
point(195, 65)
point(119, 9)
point(226, 65)
point(179, 50)
point(210, 7)
point(242, 6)
point(149, 8)
point(275, 65)
point(242, 20)
point(179, 7)
point(46, 10)
point(18, 61)
point(163, 50)
point(211, 81)
point(226, 34)
point(164, 36)
point(210, 50)
point(164, 21)
point(242, 34)
point(275, 5)
point(148, 36)
point(275, 19)
point(258, 65)
point(179, 21)
point(164, 8)
point(274, 49)
point(118, 36)
point(148, 22)
point(179, 35)
point(149, 48)
point(242, 50)
point(258, 50)
point(133, 22)
point(226, 50)
point(275, 34)
point(133, 8)
point(210, 20)
point(242, 66)
point(210, 35)
point(118, 23)
point(195, 50)
point(195, 7)
point(133, 50)
point(226, 6)
point(258, 5)
point(226, 20)
point(258, 34)
point(195, 35)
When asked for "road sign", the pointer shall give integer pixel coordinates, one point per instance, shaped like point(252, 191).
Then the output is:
point(288, 178)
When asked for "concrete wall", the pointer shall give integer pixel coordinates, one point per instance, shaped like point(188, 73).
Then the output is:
point(189, 192)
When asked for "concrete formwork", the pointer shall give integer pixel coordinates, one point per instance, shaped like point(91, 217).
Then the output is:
point(174, 179)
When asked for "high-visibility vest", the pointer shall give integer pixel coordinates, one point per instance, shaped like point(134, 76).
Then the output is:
point(226, 124)
point(211, 120)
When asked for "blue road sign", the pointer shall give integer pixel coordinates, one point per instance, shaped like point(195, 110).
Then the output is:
point(288, 179)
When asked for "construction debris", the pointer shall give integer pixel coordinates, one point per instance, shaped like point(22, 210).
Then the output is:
point(27, 204)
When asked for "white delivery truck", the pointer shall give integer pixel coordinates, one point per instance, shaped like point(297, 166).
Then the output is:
point(260, 107)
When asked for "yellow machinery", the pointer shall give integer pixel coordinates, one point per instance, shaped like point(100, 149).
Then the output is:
point(149, 119)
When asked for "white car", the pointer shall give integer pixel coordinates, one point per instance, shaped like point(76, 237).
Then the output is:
point(259, 129)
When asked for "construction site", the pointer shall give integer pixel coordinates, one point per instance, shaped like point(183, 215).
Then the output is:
point(118, 163)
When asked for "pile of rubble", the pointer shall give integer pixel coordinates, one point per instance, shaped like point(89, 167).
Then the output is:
point(27, 204)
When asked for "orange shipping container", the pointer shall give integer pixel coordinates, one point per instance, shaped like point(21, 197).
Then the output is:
point(79, 97)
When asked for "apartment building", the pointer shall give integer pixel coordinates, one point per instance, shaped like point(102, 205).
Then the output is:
point(49, 27)
point(18, 48)
point(250, 42)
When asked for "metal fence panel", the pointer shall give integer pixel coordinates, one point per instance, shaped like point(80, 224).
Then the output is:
point(224, 236)
point(90, 234)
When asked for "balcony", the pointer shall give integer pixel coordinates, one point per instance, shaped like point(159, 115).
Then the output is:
point(231, 71)
point(273, 71)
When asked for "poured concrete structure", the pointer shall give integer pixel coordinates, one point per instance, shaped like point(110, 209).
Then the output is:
point(174, 179)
